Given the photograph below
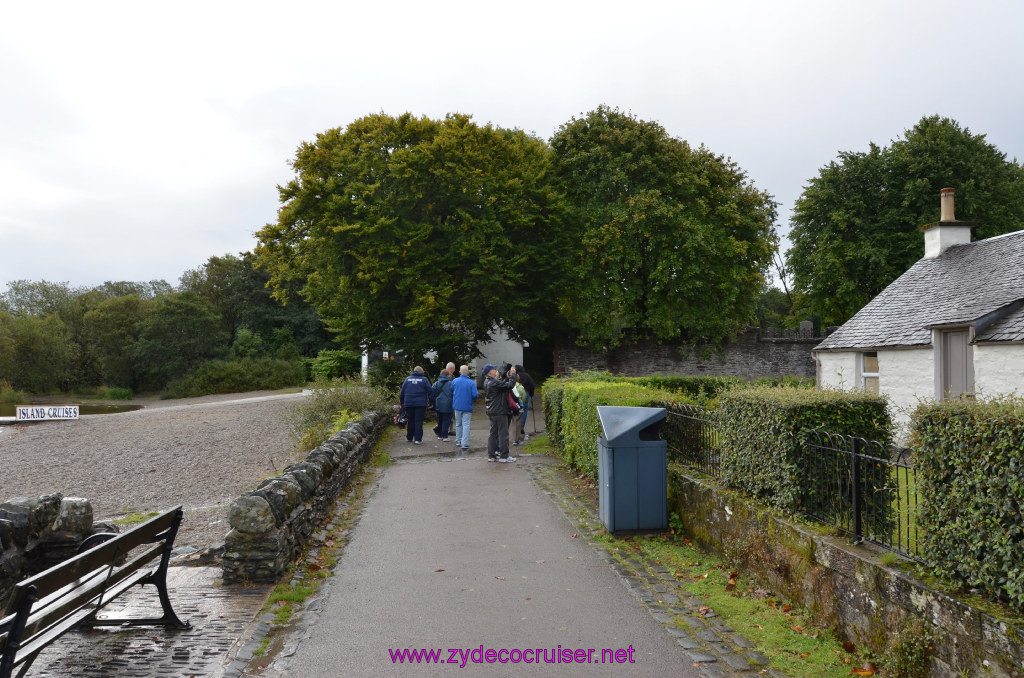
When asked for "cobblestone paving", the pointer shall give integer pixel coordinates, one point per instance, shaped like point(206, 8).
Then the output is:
point(706, 638)
point(219, 616)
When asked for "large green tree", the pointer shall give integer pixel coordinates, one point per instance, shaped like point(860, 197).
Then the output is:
point(238, 291)
point(857, 225)
point(673, 242)
point(112, 328)
point(417, 234)
point(181, 332)
point(39, 354)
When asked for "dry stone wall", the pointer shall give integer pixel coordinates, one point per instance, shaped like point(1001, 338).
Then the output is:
point(754, 354)
point(37, 533)
point(271, 525)
point(872, 604)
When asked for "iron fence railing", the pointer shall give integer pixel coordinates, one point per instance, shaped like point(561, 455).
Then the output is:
point(866, 489)
point(693, 439)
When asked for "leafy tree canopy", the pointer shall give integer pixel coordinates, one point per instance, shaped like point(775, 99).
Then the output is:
point(857, 225)
point(417, 234)
point(673, 241)
point(238, 292)
point(180, 332)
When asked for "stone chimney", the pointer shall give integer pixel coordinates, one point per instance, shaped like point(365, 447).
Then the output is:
point(947, 232)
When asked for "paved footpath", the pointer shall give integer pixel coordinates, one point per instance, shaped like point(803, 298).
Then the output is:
point(451, 552)
point(465, 557)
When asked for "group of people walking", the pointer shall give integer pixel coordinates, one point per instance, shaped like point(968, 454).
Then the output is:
point(507, 392)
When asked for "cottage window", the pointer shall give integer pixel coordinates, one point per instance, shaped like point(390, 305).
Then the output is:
point(869, 372)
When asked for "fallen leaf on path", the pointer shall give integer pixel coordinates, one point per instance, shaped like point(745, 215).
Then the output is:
point(438, 570)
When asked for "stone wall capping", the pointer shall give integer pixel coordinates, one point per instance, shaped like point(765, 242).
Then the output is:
point(263, 543)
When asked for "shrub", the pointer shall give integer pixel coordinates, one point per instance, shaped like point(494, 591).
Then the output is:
point(237, 376)
point(313, 420)
point(580, 426)
point(970, 456)
point(331, 364)
point(762, 433)
point(9, 395)
point(551, 398)
point(115, 393)
point(388, 375)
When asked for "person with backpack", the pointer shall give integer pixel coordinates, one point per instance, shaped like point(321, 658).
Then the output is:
point(441, 397)
point(496, 396)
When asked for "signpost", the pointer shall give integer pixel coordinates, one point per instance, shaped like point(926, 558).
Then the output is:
point(45, 413)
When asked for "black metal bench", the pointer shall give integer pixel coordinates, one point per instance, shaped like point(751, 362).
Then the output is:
point(48, 605)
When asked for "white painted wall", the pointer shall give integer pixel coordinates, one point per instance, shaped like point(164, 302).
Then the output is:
point(998, 369)
point(838, 370)
point(499, 350)
point(906, 377)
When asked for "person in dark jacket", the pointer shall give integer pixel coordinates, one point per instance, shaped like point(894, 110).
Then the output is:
point(527, 381)
point(496, 392)
point(414, 397)
point(441, 397)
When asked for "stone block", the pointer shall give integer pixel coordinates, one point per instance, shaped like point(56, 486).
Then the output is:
point(74, 514)
point(251, 514)
point(308, 476)
point(17, 514)
point(283, 494)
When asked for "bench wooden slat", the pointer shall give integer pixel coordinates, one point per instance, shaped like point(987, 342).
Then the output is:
point(88, 594)
point(47, 605)
point(99, 556)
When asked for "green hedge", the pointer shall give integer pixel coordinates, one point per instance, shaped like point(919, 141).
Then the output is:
point(709, 387)
point(237, 376)
point(762, 427)
point(970, 456)
point(551, 398)
point(579, 425)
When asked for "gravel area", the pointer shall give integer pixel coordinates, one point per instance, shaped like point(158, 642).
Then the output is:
point(201, 453)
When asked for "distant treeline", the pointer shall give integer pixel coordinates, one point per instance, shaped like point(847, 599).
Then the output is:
point(145, 335)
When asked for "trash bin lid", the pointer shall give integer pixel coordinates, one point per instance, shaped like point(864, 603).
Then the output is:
point(623, 425)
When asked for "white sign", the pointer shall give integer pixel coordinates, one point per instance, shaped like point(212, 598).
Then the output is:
point(43, 413)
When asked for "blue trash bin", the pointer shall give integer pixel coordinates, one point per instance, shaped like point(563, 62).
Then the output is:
point(632, 469)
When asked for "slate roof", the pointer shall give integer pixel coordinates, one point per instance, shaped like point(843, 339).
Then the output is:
point(962, 285)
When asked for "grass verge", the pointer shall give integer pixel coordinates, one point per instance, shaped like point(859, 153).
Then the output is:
point(794, 642)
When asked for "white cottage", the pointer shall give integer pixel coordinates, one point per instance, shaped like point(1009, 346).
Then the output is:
point(952, 325)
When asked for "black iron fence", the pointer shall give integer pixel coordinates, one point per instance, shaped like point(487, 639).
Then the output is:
point(693, 439)
point(866, 489)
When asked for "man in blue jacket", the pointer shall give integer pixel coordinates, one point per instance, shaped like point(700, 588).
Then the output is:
point(413, 397)
point(464, 392)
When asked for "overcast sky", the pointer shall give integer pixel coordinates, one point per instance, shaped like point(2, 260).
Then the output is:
point(138, 139)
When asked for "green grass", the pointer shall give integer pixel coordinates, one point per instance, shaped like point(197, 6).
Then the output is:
point(792, 640)
point(539, 444)
point(137, 517)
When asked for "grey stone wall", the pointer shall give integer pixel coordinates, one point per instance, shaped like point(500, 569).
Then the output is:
point(37, 533)
point(847, 586)
point(753, 355)
point(271, 525)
